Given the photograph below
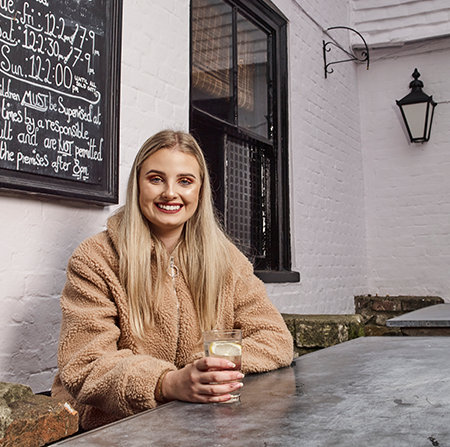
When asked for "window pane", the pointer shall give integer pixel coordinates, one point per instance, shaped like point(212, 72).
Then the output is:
point(247, 209)
point(211, 58)
point(235, 47)
point(252, 77)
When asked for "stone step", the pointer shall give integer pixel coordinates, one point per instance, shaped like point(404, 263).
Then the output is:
point(313, 332)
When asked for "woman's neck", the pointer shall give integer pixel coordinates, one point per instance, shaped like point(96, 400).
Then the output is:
point(169, 238)
point(170, 243)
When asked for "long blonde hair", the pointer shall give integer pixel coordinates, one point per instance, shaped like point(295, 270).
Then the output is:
point(203, 254)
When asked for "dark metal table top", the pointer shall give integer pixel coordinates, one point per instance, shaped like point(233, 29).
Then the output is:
point(431, 316)
point(372, 391)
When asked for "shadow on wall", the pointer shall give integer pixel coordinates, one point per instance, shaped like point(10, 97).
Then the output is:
point(32, 341)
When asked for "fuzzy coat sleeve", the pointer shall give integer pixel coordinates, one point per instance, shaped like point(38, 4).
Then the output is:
point(266, 342)
point(92, 368)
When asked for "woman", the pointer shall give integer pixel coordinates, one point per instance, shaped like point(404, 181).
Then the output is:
point(139, 295)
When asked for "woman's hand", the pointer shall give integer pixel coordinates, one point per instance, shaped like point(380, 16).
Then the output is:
point(202, 381)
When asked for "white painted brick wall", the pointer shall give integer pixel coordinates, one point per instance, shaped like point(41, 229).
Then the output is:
point(407, 185)
point(327, 201)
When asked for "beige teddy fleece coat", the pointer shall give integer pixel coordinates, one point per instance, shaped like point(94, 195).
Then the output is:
point(107, 374)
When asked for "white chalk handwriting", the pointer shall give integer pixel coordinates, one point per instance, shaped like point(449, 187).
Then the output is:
point(50, 105)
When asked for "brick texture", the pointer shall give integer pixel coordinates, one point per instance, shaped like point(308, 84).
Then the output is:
point(407, 186)
point(327, 193)
point(376, 310)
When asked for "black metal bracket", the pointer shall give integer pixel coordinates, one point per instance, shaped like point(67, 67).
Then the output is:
point(352, 56)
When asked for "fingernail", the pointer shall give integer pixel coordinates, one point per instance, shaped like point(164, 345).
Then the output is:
point(231, 365)
point(241, 385)
point(240, 376)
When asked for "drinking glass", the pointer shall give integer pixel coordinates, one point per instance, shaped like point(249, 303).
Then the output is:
point(225, 344)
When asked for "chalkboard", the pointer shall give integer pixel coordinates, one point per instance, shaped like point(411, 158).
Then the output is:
point(59, 97)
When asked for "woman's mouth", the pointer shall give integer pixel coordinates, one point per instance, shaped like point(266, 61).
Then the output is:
point(167, 207)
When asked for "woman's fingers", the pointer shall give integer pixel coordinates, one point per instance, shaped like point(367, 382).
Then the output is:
point(221, 376)
point(213, 363)
point(205, 380)
point(216, 386)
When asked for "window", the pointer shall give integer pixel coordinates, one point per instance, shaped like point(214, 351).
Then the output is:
point(239, 115)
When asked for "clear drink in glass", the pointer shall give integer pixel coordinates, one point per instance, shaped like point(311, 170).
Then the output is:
point(225, 344)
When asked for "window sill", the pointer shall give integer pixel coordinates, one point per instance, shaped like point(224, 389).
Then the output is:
point(268, 276)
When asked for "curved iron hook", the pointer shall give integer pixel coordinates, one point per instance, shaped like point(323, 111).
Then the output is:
point(352, 56)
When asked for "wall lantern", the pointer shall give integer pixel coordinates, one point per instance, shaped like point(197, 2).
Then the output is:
point(417, 111)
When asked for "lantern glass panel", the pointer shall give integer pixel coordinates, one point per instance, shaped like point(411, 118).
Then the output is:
point(415, 116)
point(430, 111)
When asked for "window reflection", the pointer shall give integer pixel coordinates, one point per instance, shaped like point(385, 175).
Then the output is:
point(212, 58)
point(252, 77)
point(213, 89)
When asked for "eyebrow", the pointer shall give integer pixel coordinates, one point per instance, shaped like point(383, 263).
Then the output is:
point(155, 171)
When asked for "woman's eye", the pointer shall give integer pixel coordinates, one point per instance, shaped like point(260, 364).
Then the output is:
point(186, 181)
point(155, 180)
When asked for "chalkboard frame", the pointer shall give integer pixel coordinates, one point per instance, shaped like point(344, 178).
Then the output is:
point(107, 192)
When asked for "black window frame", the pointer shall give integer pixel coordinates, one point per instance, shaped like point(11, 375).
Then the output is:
point(271, 21)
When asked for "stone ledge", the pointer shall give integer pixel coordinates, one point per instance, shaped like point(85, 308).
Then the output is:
point(29, 420)
point(373, 330)
point(376, 310)
point(313, 332)
point(400, 303)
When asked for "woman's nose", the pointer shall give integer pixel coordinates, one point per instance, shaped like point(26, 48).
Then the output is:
point(169, 191)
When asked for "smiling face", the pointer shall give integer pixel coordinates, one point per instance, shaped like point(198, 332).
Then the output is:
point(169, 189)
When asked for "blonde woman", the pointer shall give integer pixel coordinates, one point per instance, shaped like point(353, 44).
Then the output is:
point(139, 295)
